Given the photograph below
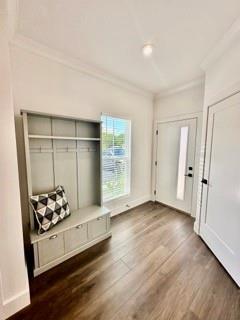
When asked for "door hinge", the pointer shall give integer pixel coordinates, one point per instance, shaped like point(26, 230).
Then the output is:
point(155, 192)
point(155, 163)
point(156, 132)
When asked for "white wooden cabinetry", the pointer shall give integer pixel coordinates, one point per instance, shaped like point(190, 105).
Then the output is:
point(65, 151)
point(76, 237)
point(50, 249)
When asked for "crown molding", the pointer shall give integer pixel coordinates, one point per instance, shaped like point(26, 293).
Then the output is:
point(231, 36)
point(164, 93)
point(76, 64)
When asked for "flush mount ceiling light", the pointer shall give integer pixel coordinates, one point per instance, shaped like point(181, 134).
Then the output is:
point(147, 50)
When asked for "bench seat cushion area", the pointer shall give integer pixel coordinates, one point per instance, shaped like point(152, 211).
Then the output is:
point(50, 208)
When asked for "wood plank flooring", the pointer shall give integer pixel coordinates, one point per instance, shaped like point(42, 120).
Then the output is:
point(154, 267)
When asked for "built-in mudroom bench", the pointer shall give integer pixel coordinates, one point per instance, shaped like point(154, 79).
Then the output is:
point(65, 152)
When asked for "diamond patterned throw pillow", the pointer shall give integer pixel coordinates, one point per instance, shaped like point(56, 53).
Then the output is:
point(50, 208)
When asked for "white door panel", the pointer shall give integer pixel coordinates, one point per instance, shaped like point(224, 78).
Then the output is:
point(175, 158)
point(220, 221)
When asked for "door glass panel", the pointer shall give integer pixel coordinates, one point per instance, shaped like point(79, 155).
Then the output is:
point(182, 163)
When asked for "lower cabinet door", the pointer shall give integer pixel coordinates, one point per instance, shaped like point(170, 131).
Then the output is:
point(50, 249)
point(98, 227)
point(75, 237)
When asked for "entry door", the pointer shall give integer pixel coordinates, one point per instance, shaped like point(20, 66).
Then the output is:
point(220, 221)
point(175, 163)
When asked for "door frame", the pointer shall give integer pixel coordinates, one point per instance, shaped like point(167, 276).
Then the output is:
point(188, 116)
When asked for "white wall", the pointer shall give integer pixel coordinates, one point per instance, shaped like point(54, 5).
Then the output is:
point(13, 272)
point(180, 103)
point(185, 103)
point(1, 299)
point(42, 84)
point(222, 77)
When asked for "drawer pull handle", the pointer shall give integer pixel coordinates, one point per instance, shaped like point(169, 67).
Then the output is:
point(100, 218)
point(79, 226)
point(53, 237)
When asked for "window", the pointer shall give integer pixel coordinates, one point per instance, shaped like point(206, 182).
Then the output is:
point(182, 163)
point(116, 157)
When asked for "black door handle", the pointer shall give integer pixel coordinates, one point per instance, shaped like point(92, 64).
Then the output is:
point(204, 181)
point(190, 175)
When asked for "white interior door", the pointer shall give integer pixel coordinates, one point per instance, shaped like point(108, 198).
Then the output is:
point(175, 163)
point(220, 220)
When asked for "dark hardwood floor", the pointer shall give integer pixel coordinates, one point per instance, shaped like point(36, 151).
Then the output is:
point(153, 267)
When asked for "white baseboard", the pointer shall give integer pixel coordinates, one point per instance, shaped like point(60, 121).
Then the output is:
point(16, 303)
point(130, 205)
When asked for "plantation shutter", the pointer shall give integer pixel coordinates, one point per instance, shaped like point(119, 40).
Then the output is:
point(116, 137)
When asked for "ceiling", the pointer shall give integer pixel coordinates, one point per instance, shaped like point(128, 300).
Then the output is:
point(109, 34)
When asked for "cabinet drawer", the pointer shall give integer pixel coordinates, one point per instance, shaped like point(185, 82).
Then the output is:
point(51, 249)
point(98, 227)
point(75, 237)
